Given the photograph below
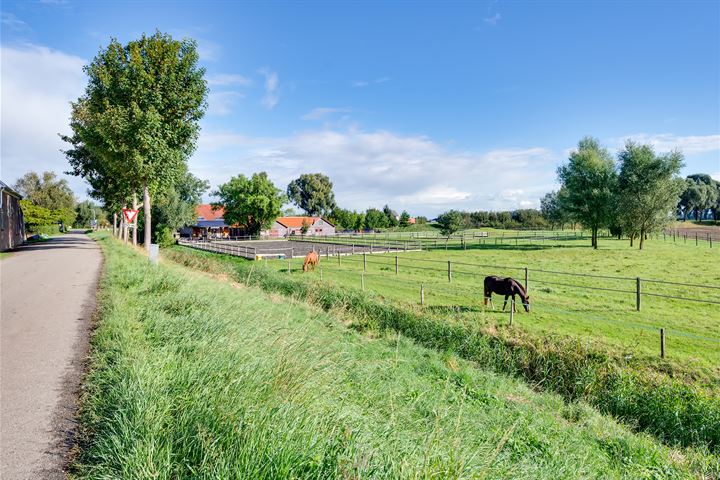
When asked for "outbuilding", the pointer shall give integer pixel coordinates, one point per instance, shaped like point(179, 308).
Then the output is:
point(12, 223)
point(288, 226)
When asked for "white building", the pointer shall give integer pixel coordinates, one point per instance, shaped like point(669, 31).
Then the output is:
point(287, 226)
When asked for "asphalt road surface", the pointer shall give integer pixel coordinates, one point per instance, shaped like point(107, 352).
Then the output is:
point(47, 296)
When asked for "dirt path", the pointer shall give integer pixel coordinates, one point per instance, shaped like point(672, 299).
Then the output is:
point(47, 295)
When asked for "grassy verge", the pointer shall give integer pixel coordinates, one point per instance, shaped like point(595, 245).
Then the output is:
point(674, 412)
point(191, 377)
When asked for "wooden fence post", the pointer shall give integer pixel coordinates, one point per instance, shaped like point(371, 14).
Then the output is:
point(364, 261)
point(449, 271)
point(696, 244)
point(512, 310)
point(637, 293)
point(288, 267)
point(422, 294)
point(362, 281)
point(662, 343)
point(338, 255)
point(397, 265)
point(320, 273)
point(527, 290)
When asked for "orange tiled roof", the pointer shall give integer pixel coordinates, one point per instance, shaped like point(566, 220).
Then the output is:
point(296, 222)
point(205, 211)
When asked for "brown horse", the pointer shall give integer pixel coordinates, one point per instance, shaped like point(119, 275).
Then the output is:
point(508, 287)
point(311, 260)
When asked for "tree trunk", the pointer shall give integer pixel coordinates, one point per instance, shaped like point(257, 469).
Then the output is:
point(642, 238)
point(114, 224)
point(124, 227)
point(594, 238)
point(148, 219)
point(632, 239)
point(135, 220)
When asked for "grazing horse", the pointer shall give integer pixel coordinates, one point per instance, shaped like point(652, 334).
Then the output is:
point(311, 260)
point(508, 287)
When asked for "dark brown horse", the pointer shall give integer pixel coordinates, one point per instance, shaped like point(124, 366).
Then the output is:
point(508, 287)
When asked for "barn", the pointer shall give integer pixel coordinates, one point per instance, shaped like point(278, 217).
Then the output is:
point(12, 223)
point(288, 226)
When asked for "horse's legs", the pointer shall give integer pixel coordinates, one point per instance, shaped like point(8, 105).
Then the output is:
point(505, 304)
point(486, 298)
point(513, 304)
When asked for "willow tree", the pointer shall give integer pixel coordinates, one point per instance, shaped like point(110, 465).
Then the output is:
point(139, 116)
point(588, 184)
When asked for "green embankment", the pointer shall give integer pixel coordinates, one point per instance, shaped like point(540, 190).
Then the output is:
point(193, 377)
point(675, 412)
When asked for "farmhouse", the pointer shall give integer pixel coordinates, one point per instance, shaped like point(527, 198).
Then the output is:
point(286, 226)
point(209, 223)
point(12, 223)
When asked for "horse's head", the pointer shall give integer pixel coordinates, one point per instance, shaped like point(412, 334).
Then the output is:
point(526, 303)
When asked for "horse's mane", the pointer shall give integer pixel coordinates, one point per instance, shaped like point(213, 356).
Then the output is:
point(520, 287)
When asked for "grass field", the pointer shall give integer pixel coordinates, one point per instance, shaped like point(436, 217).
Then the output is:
point(194, 377)
point(605, 319)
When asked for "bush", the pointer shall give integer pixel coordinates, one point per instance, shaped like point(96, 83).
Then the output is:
point(164, 237)
point(45, 229)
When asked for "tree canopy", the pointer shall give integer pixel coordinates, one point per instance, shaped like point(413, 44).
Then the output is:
point(46, 190)
point(648, 189)
point(313, 193)
point(253, 202)
point(450, 222)
point(588, 181)
point(138, 121)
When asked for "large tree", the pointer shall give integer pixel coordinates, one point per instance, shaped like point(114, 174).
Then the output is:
point(313, 193)
point(139, 116)
point(552, 209)
point(253, 202)
point(450, 222)
point(375, 219)
point(648, 189)
point(175, 207)
point(46, 190)
point(588, 181)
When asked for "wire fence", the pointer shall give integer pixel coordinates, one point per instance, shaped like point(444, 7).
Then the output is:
point(697, 236)
point(457, 294)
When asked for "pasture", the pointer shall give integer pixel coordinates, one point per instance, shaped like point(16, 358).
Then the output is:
point(565, 305)
point(191, 377)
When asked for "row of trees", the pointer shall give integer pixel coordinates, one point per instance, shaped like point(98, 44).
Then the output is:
point(632, 196)
point(701, 194)
point(455, 220)
point(136, 125)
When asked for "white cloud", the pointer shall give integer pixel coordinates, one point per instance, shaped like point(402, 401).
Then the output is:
point(372, 168)
point(365, 83)
point(37, 86)
point(227, 79)
point(272, 96)
point(664, 142)
point(322, 112)
point(716, 176)
point(493, 20)
point(221, 103)
point(10, 21)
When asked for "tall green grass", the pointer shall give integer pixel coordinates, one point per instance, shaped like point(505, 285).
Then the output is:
point(193, 378)
point(674, 412)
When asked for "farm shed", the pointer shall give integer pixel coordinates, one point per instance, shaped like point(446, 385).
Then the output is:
point(210, 224)
point(12, 223)
point(287, 226)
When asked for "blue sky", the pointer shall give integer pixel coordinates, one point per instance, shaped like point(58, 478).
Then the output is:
point(425, 106)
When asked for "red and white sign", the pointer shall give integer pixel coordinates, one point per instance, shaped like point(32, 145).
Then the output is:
point(130, 214)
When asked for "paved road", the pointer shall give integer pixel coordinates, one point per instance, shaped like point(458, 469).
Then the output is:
point(47, 295)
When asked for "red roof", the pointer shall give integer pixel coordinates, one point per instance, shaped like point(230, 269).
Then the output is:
point(296, 222)
point(204, 211)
